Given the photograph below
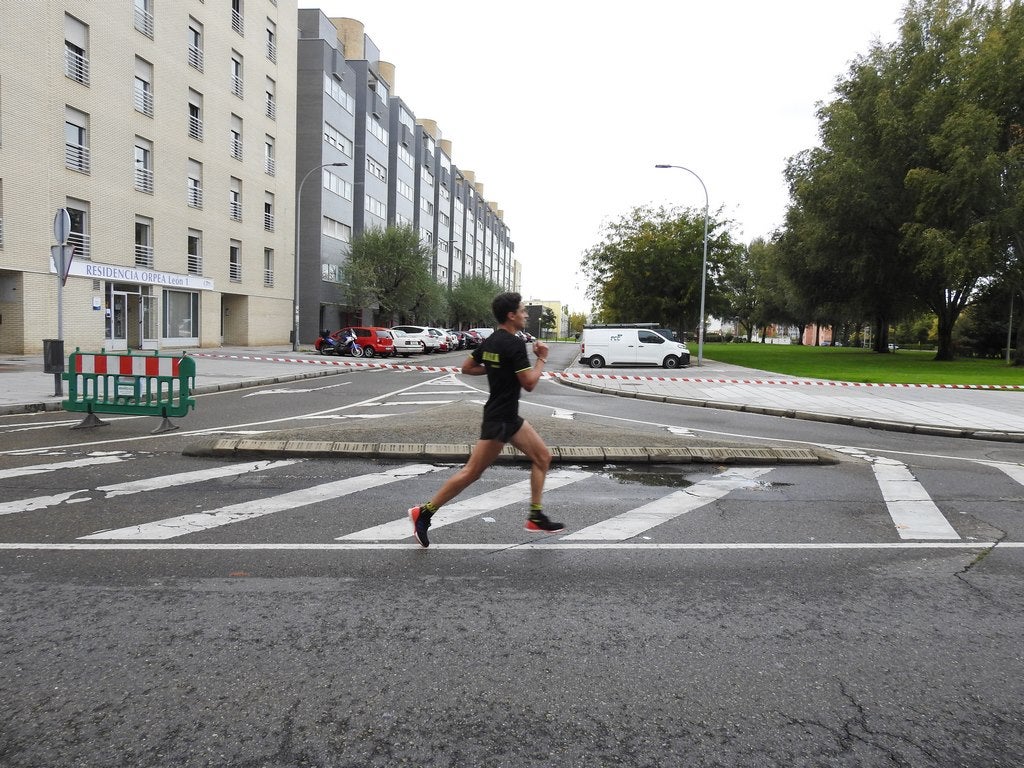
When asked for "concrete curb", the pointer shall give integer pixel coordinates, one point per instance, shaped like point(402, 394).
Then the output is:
point(457, 453)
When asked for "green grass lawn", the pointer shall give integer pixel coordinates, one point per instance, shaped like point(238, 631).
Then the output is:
point(853, 364)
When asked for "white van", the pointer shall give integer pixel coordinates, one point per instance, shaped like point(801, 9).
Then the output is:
point(630, 346)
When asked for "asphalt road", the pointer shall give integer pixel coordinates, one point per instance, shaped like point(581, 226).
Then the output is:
point(784, 624)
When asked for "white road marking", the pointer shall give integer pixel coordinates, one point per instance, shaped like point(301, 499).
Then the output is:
point(38, 469)
point(1015, 471)
point(38, 502)
point(546, 544)
point(295, 391)
point(181, 525)
point(912, 510)
point(517, 493)
point(187, 478)
point(637, 521)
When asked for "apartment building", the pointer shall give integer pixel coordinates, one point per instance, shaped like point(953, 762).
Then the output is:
point(398, 171)
point(160, 127)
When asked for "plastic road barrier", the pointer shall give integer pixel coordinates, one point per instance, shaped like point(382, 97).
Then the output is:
point(146, 385)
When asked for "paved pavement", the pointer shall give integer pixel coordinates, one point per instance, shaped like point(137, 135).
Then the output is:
point(981, 413)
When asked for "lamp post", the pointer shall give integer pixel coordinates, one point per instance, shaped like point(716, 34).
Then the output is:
point(704, 263)
point(298, 239)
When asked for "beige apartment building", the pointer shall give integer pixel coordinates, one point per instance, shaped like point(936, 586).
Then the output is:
point(167, 131)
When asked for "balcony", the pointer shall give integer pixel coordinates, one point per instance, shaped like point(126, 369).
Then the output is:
point(235, 272)
point(272, 51)
point(1, 233)
point(195, 57)
point(195, 196)
point(195, 127)
point(270, 165)
point(144, 101)
point(76, 66)
point(144, 180)
point(144, 22)
point(235, 210)
point(195, 264)
point(236, 148)
point(268, 222)
point(143, 255)
point(82, 244)
point(237, 87)
point(271, 108)
point(76, 157)
point(237, 22)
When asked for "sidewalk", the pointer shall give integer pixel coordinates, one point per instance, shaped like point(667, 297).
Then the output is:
point(951, 412)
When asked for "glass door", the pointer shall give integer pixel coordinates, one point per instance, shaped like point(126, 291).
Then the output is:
point(117, 322)
point(149, 323)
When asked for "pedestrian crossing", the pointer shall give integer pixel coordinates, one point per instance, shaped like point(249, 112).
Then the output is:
point(892, 493)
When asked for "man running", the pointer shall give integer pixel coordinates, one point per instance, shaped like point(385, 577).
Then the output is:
point(502, 356)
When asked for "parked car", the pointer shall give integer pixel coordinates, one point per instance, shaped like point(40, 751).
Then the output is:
point(431, 343)
point(443, 344)
point(473, 339)
point(372, 339)
point(483, 332)
point(630, 346)
point(458, 336)
point(406, 345)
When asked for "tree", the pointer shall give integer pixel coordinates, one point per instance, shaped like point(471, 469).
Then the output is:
point(576, 322)
point(470, 301)
point(548, 321)
point(647, 268)
point(389, 270)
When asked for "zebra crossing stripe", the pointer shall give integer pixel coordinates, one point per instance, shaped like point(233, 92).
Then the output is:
point(517, 493)
point(912, 510)
point(38, 469)
point(636, 521)
point(187, 478)
point(173, 527)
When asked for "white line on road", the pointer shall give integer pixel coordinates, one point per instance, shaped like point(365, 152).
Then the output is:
point(38, 469)
point(636, 521)
point(529, 546)
point(517, 493)
point(187, 478)
point(173, 527)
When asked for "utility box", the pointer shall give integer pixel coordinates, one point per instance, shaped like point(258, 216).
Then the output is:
point(53, 356)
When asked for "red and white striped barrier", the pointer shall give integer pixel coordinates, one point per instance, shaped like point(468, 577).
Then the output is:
point(614, 377)
point(127, 365)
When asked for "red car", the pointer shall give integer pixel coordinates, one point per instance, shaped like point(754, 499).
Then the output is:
point(372, 339)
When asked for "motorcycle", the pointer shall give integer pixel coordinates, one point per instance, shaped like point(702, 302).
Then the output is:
point(329, 344)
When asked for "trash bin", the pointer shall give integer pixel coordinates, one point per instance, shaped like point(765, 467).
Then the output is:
point(53, 356)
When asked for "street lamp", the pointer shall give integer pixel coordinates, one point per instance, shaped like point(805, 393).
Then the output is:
point(704, 264)
point(298, 237)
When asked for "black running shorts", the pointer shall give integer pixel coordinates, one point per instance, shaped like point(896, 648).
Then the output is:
point(501, 431)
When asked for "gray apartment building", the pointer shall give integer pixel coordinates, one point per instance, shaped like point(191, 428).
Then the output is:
point(177, 136)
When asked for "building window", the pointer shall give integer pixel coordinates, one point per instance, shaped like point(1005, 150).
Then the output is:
point(195, 184)
point(76, 148)
point(195, 115)
point(336, 229)
point(143, 165)
point(376, 207)
point(181, 315)
point(79, 236)
point(144, 17)
point(376, 129)
point(271, 105)
point(376, 169)
point(143, 242)
point(235, 140)
point(194, 248)
point(337, 185)
point(406, 156)
point(236, 75)
point(235, 262)
point(333, 89)
point(1, 213)
point(271, 41)
point(268, 212)
point(143, 95)
point(337, 139)
point(269, 163)
point(404, 190)
point(76, 43)
point(268, 267)
point(237, 18)
point(235, 199)
point(195, 44)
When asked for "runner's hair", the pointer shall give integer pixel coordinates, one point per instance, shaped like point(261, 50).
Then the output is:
point(504, 303)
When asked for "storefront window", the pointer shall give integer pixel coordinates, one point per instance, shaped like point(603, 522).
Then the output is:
point(181, 314)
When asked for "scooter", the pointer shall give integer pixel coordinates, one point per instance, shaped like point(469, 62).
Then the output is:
point(327, 344)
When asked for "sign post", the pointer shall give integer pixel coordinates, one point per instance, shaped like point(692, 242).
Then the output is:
point(62, 255)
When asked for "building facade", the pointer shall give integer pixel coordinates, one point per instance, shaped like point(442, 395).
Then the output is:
point(156, 127)
point(177, 136)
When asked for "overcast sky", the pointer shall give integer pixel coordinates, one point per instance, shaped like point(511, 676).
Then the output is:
point(563, 107)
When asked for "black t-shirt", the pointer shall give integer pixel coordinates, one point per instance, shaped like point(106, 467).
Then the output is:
point(503, 355)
